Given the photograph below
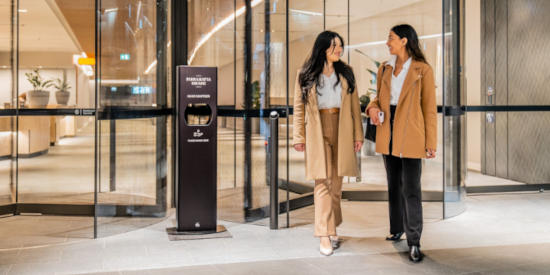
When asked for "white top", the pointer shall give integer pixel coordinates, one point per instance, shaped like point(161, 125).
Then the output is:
point(397, 81)
point(329, 96)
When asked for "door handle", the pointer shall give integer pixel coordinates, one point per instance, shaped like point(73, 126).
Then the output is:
point(490, 94)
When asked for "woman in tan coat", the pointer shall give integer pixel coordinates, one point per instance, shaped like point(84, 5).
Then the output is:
point(408, 133)
point(327, 126)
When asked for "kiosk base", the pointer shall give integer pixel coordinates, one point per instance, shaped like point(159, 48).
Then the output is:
point(175, 235)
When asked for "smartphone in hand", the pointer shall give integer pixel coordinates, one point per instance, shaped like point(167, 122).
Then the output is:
point(381, 117)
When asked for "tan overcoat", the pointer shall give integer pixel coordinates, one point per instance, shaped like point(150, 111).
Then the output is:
point(415, 123)
point(307, 129)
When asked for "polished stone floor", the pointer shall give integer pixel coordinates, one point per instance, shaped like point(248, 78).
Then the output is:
point(498, 234)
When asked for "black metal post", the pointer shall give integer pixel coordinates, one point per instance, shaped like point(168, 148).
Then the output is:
point(179, 51)
point(267, 52)
point(267, 75)
point(247, 105)
point(324, 15)
point(112, 155)
point(274, 171)
point(287, 44)
point(161, 100)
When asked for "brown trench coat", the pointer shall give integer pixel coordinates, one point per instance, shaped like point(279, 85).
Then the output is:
point(415, 123)
point(307, 129)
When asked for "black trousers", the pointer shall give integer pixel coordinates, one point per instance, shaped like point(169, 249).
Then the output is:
point(404, 194)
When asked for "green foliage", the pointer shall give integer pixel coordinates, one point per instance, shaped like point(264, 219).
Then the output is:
point(256, 94)
point(62, 84)
point(36, 80)
point(364, 100)
point(371, 91)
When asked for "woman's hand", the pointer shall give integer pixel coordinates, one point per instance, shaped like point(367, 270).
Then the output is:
point(300, 147)
point(430, 153)
point(358, 145)
point(373, 114)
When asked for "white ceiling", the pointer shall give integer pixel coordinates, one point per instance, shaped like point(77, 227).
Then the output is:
point(40, 30)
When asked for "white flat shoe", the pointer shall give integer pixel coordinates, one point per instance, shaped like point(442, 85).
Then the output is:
point(325, 251)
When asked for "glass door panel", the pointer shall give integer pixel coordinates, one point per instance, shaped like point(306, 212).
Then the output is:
point(369, 28)
point(7, 110)
point(55, 146)
point(132, 136)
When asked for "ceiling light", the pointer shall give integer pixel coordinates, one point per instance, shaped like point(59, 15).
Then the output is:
point(382, 42)
point(22, 10)
point(150, 67)
point(119, 81)
point(312, 13)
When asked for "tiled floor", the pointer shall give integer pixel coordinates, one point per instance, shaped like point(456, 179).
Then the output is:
point(498, 234)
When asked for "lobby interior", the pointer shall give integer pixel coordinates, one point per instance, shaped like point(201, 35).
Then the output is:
point(95, 175)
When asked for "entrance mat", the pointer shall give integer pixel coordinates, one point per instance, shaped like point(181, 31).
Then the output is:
point(174, 235)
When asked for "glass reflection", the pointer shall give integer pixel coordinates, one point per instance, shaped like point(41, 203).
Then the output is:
point(128, 53)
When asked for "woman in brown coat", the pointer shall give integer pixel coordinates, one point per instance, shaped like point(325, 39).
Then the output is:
point(408, 133)
point(327, 126)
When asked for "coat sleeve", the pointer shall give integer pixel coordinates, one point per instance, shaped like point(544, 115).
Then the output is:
point(429, 108)
point(358, 134)
point(376, 102)
point(299, 129)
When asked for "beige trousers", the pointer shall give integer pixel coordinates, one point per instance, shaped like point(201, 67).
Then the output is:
point(328, 192)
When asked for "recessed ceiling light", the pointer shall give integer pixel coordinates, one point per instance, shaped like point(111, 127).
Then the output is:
point(22, 10)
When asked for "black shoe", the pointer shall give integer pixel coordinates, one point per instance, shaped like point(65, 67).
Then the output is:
point(394, 237)
point(414, 254)
point(335, 242)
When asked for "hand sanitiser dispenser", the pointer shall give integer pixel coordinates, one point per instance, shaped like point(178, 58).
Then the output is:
point(196, 151)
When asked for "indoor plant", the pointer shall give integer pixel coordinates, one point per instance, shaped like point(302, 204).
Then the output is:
point(38, 97)
point(62, 94)
point(256, 105)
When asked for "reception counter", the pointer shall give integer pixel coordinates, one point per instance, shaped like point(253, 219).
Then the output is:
point(36, 133)
point(5, 136)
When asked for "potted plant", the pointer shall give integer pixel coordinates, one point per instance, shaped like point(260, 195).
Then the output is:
point(256, 105)
point(38, 97)
point(62, 94)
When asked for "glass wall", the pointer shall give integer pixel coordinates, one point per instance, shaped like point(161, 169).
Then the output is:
point(217, 38)
point(99, 141)
point(7, 119)
point(85, 111)
point(506, 94)
point(369, 29)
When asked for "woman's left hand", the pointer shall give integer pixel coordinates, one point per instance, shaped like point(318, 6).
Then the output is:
point(430, 153)
point(358, 145)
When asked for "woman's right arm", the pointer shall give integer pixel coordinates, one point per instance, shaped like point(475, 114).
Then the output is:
point(299, 129)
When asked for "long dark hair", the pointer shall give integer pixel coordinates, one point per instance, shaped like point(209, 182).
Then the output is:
point(313, 67)
point(413, 45)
